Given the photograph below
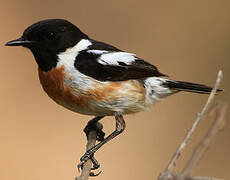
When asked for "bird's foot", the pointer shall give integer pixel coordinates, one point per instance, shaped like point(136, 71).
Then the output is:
point(89, 155)
point(97, 127)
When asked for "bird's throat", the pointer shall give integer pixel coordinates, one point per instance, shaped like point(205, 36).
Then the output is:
point(46, 60)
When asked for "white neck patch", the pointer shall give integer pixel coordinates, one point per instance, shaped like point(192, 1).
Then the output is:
point(70, 54)
point(67, 59)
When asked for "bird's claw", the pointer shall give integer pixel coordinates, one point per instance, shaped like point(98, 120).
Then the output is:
point(83, 160)
point(92, 174)
point(96, 164)
point(88, 155)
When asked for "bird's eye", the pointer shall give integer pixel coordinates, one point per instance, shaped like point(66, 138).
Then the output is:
point(51, 36)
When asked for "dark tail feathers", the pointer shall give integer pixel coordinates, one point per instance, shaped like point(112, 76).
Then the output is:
point(190, 87)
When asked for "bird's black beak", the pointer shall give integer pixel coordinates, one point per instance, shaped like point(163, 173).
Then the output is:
point(19, 42)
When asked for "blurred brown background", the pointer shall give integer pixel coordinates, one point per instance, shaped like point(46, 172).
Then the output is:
point(188, 40)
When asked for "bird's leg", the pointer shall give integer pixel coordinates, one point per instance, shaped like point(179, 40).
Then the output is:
point(92, 124)
point(120, 127)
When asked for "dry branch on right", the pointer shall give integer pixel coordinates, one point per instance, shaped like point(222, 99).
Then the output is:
point(219, 110)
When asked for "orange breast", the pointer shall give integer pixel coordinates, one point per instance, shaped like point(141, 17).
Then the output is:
point(53, 84)
point(94, 101)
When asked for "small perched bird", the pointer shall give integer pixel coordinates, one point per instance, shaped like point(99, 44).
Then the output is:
point(94, 78)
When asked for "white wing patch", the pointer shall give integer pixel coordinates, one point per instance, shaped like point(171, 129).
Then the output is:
point(114, 57)
point(97, 51)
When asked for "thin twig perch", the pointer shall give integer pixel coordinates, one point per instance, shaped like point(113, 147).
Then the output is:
point(204, 143)
point(91, 141)
point(195, 124)
point(217, 125)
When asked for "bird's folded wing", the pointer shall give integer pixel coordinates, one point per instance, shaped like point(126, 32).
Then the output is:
point(107, 63)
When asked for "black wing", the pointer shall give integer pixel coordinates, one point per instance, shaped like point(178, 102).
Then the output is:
point(96, 63)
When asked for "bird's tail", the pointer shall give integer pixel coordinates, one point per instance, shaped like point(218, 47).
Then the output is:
point(190, 87)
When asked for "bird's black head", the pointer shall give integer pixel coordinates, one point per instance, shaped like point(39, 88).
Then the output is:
point(48, 38)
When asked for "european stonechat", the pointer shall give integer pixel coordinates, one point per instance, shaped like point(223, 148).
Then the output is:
point(94, 78)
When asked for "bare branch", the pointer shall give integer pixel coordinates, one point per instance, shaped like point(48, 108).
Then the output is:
point(195, 124)
point(174, 176)
point(217, 125)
